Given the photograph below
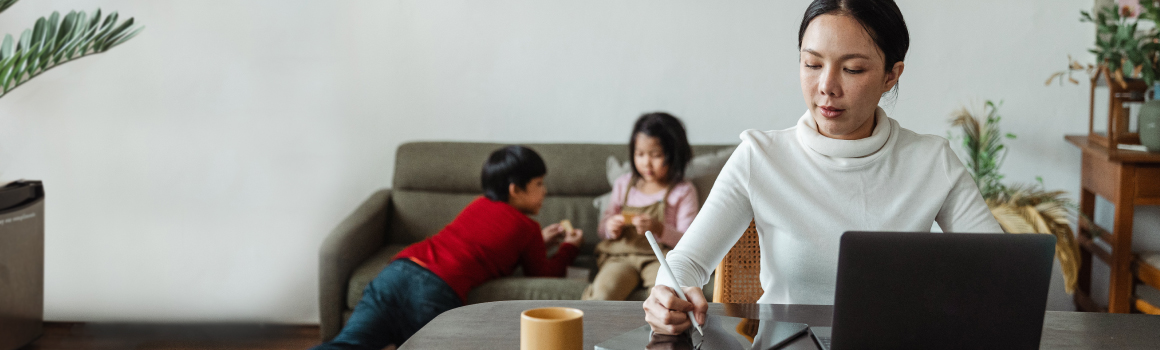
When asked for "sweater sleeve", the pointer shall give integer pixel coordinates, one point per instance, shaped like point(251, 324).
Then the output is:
point(534, 256)
point(717, 227)
point(681, 214)
point(964, 209)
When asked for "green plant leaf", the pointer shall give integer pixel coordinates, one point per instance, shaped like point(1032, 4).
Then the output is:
point(111, 37)
point(57, 39)
point(7, 48)
point(5, 4)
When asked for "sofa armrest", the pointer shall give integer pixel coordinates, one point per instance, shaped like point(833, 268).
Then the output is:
point(358, 236)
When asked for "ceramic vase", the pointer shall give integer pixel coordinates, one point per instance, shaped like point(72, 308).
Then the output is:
point(1150, 125)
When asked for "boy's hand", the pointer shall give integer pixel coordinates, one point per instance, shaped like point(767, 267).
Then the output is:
point(643, 223)
point(613, 225)
point(576, 237)
point(551, 233)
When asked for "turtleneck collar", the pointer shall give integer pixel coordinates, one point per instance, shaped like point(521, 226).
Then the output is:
point(807, 132)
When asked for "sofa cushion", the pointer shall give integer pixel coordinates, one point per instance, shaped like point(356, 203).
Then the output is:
point(363, 274)
point(573, 169)
point(703, 170)
point(455, 166)
point(420, 214)
point(527, 288)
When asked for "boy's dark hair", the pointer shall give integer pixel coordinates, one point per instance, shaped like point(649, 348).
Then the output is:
point(510, 165)
point(671, 133)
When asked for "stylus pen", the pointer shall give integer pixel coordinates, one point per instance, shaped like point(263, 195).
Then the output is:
point(652, 241)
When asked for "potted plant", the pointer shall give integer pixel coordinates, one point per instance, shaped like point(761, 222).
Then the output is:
point(51, 42)
point(1130, 61)
point(1019, 208)
point(1121, 49)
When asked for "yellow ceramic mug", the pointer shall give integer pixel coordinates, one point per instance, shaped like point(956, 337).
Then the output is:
point(552, 328)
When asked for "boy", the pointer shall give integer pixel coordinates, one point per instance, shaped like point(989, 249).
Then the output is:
point(489, 238)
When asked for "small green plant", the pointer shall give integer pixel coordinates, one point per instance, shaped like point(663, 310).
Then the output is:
point(55, 40)
point(984, 146)
point(1019, 208)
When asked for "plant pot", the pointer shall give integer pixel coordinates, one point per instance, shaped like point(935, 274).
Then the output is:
point(18, 192)
point(1150, 125)
point(21, 263)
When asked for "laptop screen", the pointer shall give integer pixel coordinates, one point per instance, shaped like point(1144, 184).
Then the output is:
point(941, 290)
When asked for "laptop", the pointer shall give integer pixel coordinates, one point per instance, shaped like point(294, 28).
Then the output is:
point(900, 290)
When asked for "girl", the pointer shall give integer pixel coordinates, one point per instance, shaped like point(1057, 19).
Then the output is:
point(654, 197)
point(844, 166)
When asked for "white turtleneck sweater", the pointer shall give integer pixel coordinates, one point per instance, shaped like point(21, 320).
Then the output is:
point(804, 190)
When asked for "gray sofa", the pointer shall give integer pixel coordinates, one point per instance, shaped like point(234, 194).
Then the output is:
point(433, 181)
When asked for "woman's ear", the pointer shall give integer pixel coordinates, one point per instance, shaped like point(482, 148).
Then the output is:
point(892, 76)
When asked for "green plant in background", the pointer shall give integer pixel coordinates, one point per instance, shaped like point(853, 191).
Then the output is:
point(983, 144)
point(1019, 208)
point(54, 41)
point(1126, 52)
point(1119, 47)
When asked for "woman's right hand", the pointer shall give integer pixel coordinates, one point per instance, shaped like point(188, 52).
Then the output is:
point(668, 314)
point(612, 226)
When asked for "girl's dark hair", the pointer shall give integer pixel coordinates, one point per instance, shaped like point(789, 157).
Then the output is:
point(510, 165)
point(881, 18)
point(671, 134)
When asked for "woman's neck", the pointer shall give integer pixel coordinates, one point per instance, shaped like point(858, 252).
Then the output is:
point(880, 130)
point(863, 131)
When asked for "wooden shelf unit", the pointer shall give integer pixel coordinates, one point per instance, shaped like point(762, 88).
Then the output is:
point(1126, 179)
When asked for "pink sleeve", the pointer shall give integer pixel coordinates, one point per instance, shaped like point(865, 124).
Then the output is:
point(615, 204)
point(679, 213)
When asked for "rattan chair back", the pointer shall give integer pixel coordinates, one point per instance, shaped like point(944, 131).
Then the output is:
point(738, 275)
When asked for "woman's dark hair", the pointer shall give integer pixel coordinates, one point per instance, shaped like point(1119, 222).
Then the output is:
point(881, 18)
point(510, 165)
point(671, 134)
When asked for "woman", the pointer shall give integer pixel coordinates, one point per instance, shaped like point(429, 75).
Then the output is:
point(844, 166)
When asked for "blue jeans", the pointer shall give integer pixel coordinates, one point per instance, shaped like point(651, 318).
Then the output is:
point(402, 299)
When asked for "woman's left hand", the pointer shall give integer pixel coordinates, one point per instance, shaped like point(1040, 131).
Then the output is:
point(643, 223)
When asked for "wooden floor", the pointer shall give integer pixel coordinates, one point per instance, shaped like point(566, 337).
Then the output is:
point(62, 336)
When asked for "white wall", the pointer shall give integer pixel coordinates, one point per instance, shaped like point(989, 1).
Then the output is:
point(193, 172)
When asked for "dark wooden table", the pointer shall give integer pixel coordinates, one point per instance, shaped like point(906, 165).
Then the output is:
point(496, 325)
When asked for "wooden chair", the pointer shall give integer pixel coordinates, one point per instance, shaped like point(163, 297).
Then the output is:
point(738, 276)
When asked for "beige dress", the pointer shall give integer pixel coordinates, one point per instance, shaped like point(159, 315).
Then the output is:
point(627, 261)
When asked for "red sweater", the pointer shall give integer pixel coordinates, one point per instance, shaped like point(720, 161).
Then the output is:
point(487, 240)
